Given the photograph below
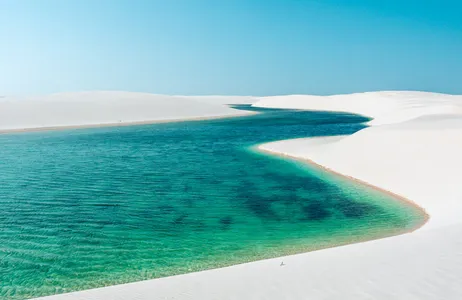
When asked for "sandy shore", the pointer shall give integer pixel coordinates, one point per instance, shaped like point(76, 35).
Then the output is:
point(187, 119)
point(99, 109)
point(412, 150)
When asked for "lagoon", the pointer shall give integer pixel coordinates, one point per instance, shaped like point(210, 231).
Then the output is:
point(94, 207)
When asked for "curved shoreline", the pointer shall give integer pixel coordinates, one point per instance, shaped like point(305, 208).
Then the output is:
point(353, 240)
point(162, 281)
point(283, 257)
point(358, 181)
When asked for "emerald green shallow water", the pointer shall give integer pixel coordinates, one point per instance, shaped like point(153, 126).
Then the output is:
point(94, 207)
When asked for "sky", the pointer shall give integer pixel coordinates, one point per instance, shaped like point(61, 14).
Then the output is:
point(230, 47)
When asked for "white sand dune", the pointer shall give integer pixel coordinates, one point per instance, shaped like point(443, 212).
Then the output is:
point(412, 150)
point(384, 107)
point(103, 108)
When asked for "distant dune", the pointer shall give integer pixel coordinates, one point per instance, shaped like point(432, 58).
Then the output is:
point(104, 108)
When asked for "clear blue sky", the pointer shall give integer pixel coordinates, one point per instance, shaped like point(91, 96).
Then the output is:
point(241, 47)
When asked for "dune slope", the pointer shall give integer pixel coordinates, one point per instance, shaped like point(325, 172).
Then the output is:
point(99, 108)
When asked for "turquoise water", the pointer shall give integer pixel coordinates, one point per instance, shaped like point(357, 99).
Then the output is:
point(95, 207)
